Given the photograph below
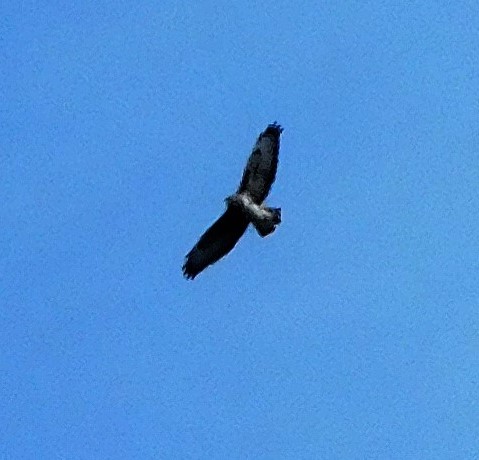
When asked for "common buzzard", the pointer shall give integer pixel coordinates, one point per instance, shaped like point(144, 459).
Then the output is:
point(244, 207)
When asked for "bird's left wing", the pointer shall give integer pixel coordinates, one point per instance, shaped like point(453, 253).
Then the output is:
point(260, 171)
point(216, 242)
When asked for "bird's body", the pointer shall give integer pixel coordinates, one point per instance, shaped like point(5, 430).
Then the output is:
point(263, 218)
point(244, 207)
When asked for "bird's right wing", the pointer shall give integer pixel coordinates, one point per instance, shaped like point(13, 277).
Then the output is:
point(216, 242)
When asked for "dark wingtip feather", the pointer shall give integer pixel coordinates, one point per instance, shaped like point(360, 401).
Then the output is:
point(274, 128)
point(188, 271)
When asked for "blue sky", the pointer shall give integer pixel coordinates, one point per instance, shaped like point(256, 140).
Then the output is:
point(352, 332)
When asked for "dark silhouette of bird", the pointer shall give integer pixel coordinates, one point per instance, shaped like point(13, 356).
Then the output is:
point(244, 207)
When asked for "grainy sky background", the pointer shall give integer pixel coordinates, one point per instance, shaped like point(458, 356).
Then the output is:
point(351, 333)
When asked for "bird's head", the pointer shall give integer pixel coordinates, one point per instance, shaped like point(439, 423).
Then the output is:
point(231, 200)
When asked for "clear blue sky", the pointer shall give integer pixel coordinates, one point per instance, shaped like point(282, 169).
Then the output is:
point(352, 332)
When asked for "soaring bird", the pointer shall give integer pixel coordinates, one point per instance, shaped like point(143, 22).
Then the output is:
point(244, 207)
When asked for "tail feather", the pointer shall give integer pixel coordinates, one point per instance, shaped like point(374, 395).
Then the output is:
point(265, 227)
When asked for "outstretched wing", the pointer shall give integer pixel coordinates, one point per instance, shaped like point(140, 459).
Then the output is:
point(216, 242)
point(260, 171)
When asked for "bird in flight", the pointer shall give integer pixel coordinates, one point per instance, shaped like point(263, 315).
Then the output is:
point(244, 207)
